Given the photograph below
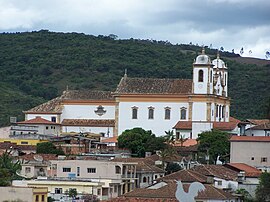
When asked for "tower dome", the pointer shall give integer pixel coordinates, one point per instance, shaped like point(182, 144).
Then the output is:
point(218, 63)
point(202, 59)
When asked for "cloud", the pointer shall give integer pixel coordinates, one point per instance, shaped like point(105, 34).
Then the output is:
point(228, 23)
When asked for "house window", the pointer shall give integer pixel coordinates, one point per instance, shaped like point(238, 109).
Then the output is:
point(98, 191)
point(134, 112)
point(117, 170)
point(183, 113)
point(47, 127)
point(150, 113)
point(167, 113)
point(42, 198)
point(24, 142)
point(115, 189)
point(264, 159)
point(177, 135)
point(58, 190)
point(144, 179)
point(53, 119)
point(219, 182)
point(211, 75)
point(200, 78)
point(27, 170)
point(91, 170)
point(37, 198)
point(78, 171)
point(66, 170)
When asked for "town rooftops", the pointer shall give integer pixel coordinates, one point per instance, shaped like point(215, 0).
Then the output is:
point(54, 105)
point(89, 122)
point(258, 121)
point(110, 140)
point(38, 120)
point(249, 170)
point(264, 126)
point(154, 86)
point(235, 138)
point(183, 125)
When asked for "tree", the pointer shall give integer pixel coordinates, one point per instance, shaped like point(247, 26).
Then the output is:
point(263, 189)
point(8, 169)
point(245, 195)
point(215, 143)
point(72, 193)
point(172, 167)
point(140, 141)
point(48, 148)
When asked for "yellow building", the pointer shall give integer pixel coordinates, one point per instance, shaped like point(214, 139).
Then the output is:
point(23, 141)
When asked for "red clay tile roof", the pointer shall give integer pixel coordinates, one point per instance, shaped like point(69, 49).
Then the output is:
point(110, 139)
point(232, 124)
point(184, 125)
point(168, 192)
point(235, 138)
point(6, 146)
point(54, 105)
point(258, 121)
point(45, 157)
point(185, 176)
point(216, 170)
point(264, 126)
point(38, 120)
point(89, 122)
point(186, 143)
point(249, 170)
point(153, 86)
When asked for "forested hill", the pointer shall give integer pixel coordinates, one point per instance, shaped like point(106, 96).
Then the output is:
point(37, 66)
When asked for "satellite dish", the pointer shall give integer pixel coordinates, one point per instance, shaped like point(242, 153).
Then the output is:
point(38, 158)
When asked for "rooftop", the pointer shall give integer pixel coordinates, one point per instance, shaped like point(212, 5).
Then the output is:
point(38, 120)
point(89, 122)
point(249, 170)
point(235, 138)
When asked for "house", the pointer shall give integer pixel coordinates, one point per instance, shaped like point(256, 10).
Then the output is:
point(255, 127)
point(165, 191)
point(146, 171)
point(248, 176)
point(15, 149)
point(251, 150)
point(29, 194)
point(150, 103)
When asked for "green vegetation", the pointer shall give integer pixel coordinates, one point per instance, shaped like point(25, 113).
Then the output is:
point(38, 66)
point(214, 143)
point(48, 148)
point(263, 189)
point(140, 141)
point(8, 169)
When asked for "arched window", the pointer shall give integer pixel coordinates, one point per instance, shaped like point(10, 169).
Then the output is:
point(144, 179)
point(134, 112)
point(150, 112)
point(117, 170)
point(167, 113)
point(183, 113)
point(200, 78)
point(211, 75)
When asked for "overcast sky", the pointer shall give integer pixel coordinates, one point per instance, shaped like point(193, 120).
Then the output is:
point(231, 24)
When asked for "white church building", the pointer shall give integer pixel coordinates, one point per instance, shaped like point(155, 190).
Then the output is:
point(188, 106)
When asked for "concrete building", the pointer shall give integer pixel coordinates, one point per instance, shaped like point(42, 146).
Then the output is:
point(24, 194)
point(153, 104)
point(251, 150)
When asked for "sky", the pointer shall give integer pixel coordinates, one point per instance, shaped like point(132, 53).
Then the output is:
point(231, 24)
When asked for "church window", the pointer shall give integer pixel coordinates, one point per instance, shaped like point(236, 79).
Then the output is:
point(183, 113)
point(223, 111)
point(220, 111)
point(150, 113)
point(200, 76)
point(167, 113)
point(144, 179)
point(211, 75)
point(216, 110)
point(225, 79)
point(134, 112)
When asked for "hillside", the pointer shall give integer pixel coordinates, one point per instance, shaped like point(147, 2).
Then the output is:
point(38, 66)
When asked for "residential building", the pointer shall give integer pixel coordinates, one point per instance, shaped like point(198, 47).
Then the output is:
point(251, 150)
point(29, 194)
point(153, 104)
point(255, 127)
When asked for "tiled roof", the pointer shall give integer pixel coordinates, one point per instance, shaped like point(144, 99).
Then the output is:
point(45, 157)
point(110, 140)
point(54, 105)
point(184, 125)
point(185, 176)
point(264, 126)
point(89, 122)
point(38, 120)
point(249, 170)
point(153, 86)
point(258, 121)
point(168, 192)
point(232, 124)
point(4, 146)
point(186, 143)
point(216, 170)
point(235, 138)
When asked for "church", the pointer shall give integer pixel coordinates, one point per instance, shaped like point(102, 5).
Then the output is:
point(188, 106)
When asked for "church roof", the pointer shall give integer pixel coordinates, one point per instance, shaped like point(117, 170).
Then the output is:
point(54, 105)
point(154, 86)
point(227, 126)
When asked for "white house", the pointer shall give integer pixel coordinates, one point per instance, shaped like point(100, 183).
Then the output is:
point(153, 104)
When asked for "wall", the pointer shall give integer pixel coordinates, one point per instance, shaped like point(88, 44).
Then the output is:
point(198, 128)
point(158, 125)
point(199, 111)
point(200, 87)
